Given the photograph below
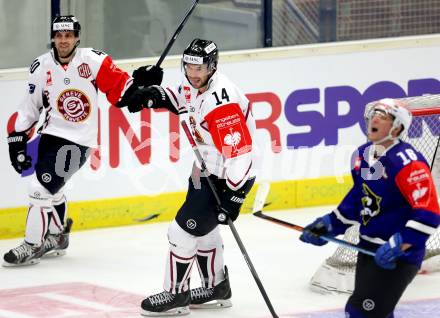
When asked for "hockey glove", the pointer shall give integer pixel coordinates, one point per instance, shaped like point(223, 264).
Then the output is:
point(388, 253)
point(148, 75)
point(148, 97)
point(230, 202)
point(17, 151)
point(311, 233)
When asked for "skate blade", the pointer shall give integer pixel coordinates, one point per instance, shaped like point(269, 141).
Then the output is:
point(179, 311)
point(215, 304)
point(54, 253)
point(31, 262)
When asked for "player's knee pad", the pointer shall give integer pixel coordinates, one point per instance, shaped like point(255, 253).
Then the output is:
point(181, 242)
point(38, 194)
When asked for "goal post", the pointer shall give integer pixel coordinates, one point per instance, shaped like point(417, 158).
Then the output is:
point(336, 274)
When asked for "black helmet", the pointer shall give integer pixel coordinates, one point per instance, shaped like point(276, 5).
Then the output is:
point(201, 52)
point(65, 23)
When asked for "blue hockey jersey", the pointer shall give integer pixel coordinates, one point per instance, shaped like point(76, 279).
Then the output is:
point(391, 193)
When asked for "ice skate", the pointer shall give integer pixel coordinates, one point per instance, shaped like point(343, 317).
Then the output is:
point(24, 254)
point(166, 304)
point(56, 244)
point(215, 297)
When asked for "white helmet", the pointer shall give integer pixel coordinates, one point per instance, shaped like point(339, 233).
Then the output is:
point(396, 108)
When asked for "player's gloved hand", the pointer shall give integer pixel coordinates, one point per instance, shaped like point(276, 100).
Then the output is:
point(148, 75)
point(148, 97)
point(312, 232)
point(231, 201)
point(389, 252)
point(17, 151)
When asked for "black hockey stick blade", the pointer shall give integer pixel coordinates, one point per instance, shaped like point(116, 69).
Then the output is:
point(301, 229)
point(148, 217)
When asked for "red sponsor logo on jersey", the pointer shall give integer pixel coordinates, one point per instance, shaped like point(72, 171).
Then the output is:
point(187, 93)
point(74, 105)
point(84, 70)
point(229, 131)
point(416, 185)
point(417, 176)
point(49, 78)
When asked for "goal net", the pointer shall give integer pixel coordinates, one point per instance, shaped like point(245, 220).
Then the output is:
point(336, 274)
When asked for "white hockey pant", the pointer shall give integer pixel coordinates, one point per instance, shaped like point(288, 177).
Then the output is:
point(47, 212)
point(184, 249)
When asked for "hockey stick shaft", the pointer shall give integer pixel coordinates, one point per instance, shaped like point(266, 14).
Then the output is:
point(230, 223)
point(325, 237)
point(176, 33)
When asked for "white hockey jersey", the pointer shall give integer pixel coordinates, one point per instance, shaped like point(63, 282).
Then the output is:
point(69, 94)
point(222, 124)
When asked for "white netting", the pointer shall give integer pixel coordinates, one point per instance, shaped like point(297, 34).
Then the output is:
point(424, 136)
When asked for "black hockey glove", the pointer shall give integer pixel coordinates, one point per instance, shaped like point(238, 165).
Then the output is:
point(17, 151)
point(149, 97)
point(148, 75)
point(231, 202)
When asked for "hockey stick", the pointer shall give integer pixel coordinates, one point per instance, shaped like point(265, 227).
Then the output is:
point(176, 33)
point(259, 203)
point(230, 223)
point(323, 236)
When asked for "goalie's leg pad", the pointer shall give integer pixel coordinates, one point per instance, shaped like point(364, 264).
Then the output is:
point(430, 265)
point(330, 279)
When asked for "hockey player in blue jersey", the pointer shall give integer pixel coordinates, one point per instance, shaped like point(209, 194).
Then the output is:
point(394, 200)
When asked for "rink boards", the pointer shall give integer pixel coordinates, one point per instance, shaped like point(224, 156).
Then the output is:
point(308, 104)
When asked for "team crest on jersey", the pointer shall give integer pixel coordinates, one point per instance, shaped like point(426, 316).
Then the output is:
point(84, 70)
point(74, 105)
point(370, 203)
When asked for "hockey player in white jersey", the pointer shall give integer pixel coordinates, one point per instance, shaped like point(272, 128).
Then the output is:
point(222, 124)
point(63, 86)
